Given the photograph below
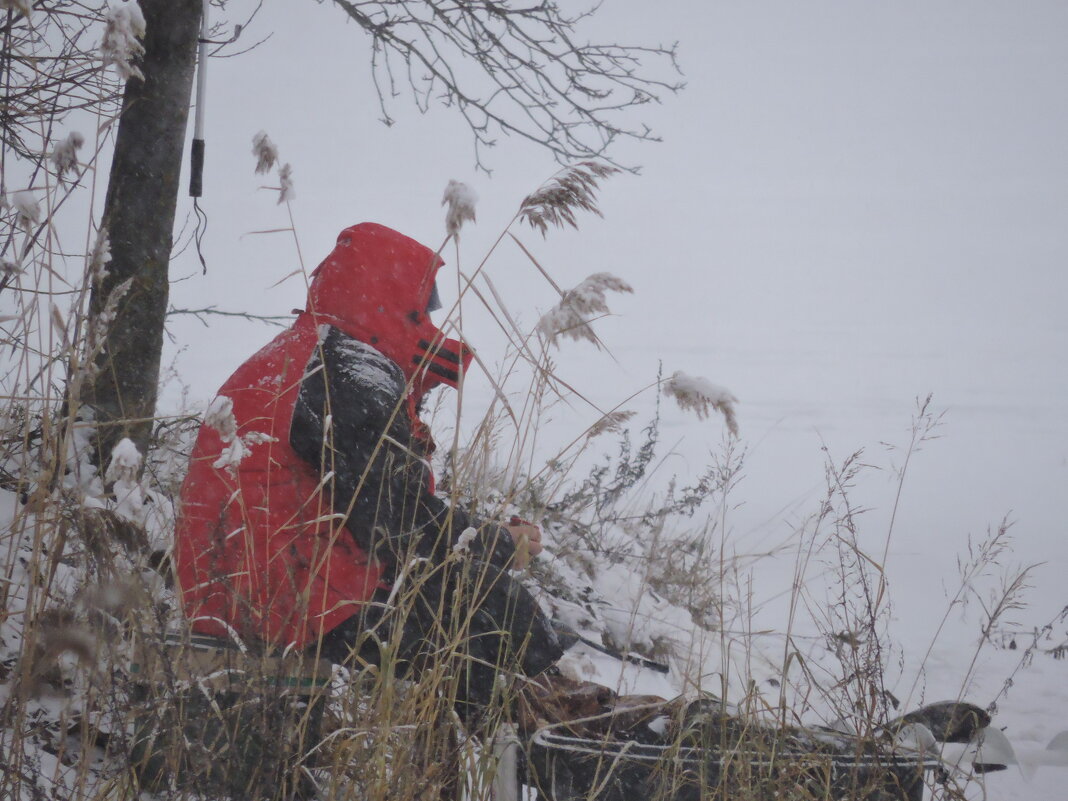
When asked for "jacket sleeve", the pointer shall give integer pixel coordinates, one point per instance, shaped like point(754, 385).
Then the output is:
point(349, 422)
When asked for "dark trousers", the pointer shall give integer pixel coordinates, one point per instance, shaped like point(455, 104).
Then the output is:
point(475, 617)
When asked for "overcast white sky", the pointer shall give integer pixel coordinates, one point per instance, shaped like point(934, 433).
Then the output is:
point(854, 204)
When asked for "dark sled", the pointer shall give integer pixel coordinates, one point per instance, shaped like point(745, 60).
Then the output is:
point(761, 765)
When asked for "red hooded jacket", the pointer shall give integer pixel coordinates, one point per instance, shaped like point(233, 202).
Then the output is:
point(266, 544)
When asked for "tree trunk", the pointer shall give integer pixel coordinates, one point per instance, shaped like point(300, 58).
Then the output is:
point(139, 219)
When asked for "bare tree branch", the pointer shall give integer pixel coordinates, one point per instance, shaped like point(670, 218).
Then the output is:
point(280, 320)
point(514, 67)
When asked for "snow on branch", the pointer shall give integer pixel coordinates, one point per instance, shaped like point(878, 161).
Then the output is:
point(64, 156)
point(100, 257)
point(27, 208)
point(125, 25)
point(123, 469)
point(701, 396)
point(571, 317)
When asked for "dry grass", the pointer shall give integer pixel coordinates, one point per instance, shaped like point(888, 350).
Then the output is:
point(94, 702)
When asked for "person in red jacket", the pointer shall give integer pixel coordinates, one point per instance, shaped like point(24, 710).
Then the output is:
point(305, 508)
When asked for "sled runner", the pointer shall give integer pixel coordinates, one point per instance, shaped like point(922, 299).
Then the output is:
point(637, 748)
point(569, 768)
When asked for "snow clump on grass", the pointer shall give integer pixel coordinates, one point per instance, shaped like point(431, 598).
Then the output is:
point(285, 184)
point(102, 324)
point(220, 416)
point(65, 155)
point(231, 456)
point(125, 462)
point(463, 542)
point(579, 306)
point(265, 151)
point(701, 396)
point(461, 200)
point(238, 448)
point(100, 258)
point(27, 208)
point(125, 25)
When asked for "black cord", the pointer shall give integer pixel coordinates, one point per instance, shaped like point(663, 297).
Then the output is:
point(199, 231)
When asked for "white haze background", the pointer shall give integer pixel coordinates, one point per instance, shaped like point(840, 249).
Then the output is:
point(854, 205)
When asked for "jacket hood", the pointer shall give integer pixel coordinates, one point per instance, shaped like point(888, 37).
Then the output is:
point(375, 287)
